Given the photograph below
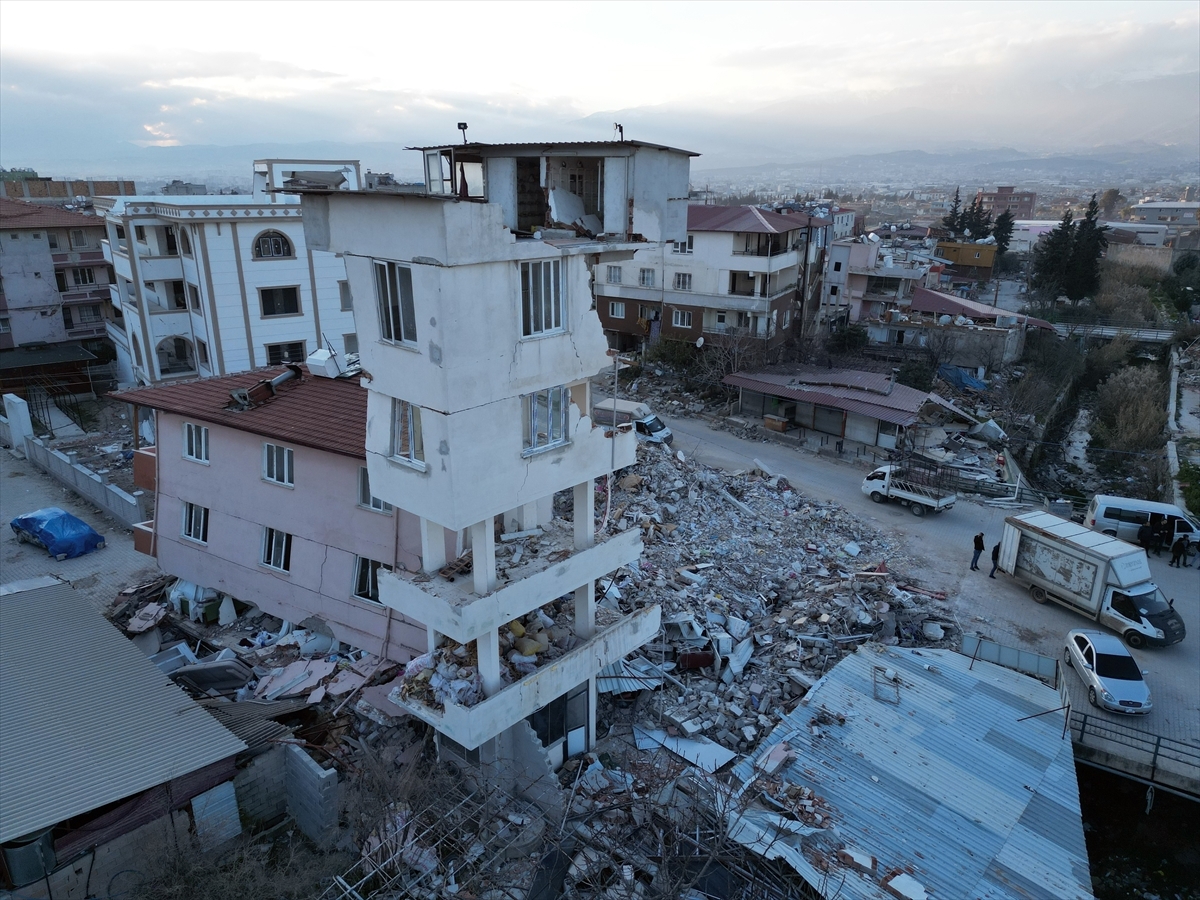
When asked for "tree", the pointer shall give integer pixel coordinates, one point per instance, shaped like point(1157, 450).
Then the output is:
point(1002, 232)
point(953, 219)
point(1052, 256)
point(976, 221)
point(1111, 200)
point(1182, 286)
point(915, 373)
point(1083, 269)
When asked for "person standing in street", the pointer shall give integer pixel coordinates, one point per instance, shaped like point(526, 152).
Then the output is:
point(995, 560)
point(979, 547)
point(1179, 552)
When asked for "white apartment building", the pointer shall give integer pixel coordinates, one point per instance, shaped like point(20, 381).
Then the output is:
point(478, 330)
point(209, 285)
point(1177, 215)
point(740, 272)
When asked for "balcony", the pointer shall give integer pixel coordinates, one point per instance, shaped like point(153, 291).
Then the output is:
point(160, 268)
point(453, 609)
point(143, 538)
point(97, 293)
point(473, 725)
point(145, 469)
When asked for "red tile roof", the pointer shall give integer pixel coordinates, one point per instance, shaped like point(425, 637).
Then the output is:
point(16, 214)
point(746, 219)
point(865, 393)
point(322, 413)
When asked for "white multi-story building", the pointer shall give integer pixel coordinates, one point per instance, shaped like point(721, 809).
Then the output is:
point(741, 272)
point(209, 285)
point(478, 330)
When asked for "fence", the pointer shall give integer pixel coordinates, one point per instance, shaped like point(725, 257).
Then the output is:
point(1141, 753)
point(127, 508)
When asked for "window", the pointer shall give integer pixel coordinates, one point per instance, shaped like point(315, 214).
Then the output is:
point(139, 232)
point(833, 290)
point(394, 295)
point(179, 299)
point(977, 256)
point(193, 296)
point(541, 297)
point(52, 240)
point(406, 445)
point(720, 317)
point(278, 465)
point(278, 354)
point(682, 246)
point(365, 497)
point(280, 301)
point(60, 281)
point(88, 315)
point(5, 325)
point(683, 281)
point(349, 343)
point(616, 309)
point(837, 267)
point(185, 242)
point(202, 352)
point(78, 238)
point(272, 245)
point(366, 578)
point(681, 318)
point(195, 440)
point(646, 277)
point(83, 276)
point(195, 522)
point(545, 419)
point(277, 549)
point(344, 293)
point(614, 274)
point(37, 235)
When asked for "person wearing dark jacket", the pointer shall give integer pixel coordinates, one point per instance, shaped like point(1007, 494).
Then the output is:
point(1179, 552)
point(978, 552)
point(995, 560)
point(1145, 536)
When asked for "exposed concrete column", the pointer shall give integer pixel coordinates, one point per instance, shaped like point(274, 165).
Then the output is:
point(487, 649)
point(591, 723)
point(483, 556)
point(585, 610)
point(585, 514)
point(433, 546)
point(20, 423)
point(522, 518)
point(433, 638)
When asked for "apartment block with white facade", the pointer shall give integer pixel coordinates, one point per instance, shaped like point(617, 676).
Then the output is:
point(478, 338)
point(209, 285)
point(739, 274)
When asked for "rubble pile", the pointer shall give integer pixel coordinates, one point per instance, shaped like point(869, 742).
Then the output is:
point(762, 589)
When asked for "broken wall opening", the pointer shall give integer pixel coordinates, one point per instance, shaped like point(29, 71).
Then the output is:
point(581, 177)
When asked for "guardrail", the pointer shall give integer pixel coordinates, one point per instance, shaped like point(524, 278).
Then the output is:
point(1154, 749)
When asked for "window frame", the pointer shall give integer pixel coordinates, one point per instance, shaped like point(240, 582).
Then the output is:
point(83, 276)
point(299, 311)
point(195, 518)
point(687, 246)
point(541, 314)
point(52, 240)
point(286, 246)
point(80, 241)
point(195, 436)
point(275, 456)
point(682, 281)
point(366, 499)
point(344, 296)
point(558, 416)
point(397, 311)
point(678, 317)
point(612, 309)
point(303, 345)
point(366, 569)
point(275, 539)
point(646, 277)
point(202, 356)
point(405, 428)
point(611, 272)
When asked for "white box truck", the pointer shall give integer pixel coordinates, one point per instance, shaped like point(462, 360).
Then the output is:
point(639, 416)
point(1093, 574)
point(913, 488)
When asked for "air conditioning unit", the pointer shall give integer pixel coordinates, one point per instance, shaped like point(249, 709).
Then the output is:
point(323, 363)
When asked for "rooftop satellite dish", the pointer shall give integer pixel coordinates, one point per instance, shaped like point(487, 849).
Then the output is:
point(699, 342)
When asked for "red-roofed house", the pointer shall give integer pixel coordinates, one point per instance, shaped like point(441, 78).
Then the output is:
point(55, 277)
point(269, 501)
point(739, 274)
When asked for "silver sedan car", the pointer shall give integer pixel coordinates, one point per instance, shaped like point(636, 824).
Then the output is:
point(1112, 676)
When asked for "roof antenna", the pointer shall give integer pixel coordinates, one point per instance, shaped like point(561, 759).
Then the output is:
point(462, 126)
point(620, 130)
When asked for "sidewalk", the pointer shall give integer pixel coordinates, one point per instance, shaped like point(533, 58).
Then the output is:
point(101, 574)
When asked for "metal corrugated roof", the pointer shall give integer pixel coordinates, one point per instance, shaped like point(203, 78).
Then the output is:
point(322, 413)
point(865, 393)
point(548, 148)
point(85, 718)
point(948, 784)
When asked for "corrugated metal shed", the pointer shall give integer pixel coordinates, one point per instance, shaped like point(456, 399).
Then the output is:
point(323, 413)
point(947, 785)
point(865, 393)
point(85, 718)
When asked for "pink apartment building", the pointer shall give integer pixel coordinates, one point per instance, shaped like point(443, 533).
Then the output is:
point(262, 493)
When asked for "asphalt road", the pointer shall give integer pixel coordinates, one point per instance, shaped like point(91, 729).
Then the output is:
point(998, 608)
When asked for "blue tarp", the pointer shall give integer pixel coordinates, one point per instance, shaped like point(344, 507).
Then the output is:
point(961, 379)
point(58, 531)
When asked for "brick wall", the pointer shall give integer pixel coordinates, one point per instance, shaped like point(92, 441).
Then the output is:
point(262, 789)
point(312, 795)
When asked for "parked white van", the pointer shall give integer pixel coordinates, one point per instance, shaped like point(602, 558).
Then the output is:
point(648, 426)
point(1123, 516)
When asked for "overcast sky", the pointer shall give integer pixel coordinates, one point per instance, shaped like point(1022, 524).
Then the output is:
point(737, 81)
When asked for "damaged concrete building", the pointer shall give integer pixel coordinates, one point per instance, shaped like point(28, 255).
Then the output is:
point(478, 337)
